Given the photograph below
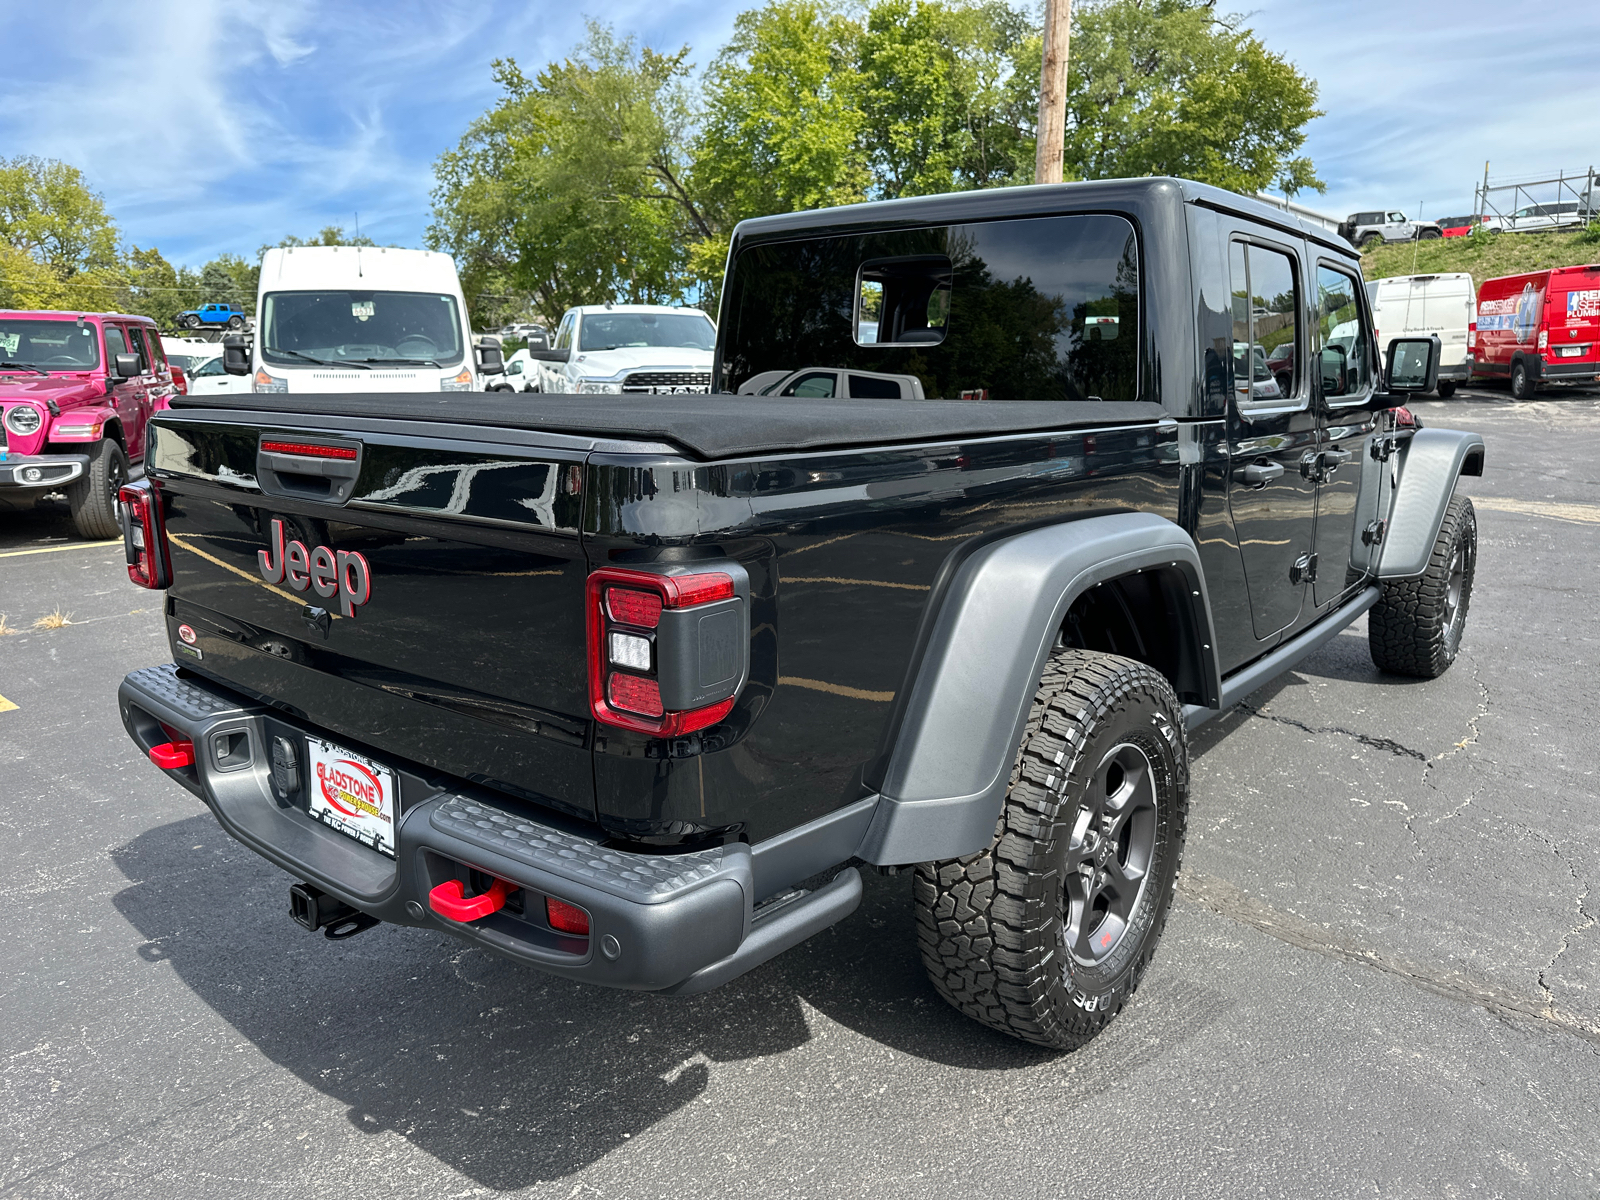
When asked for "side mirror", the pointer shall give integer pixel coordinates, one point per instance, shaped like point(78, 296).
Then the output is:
point(491, 359)
point(555, 356)
point(1413, 365)
point(1335, 371)
point(126, 366)
point(236, 354)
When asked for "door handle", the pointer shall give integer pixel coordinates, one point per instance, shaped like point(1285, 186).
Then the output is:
point(1258, 474)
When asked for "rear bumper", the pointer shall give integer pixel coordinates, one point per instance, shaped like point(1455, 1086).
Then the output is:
point(1458, 373)
point(46, 471)
point(1557, 371)
point(681, 923)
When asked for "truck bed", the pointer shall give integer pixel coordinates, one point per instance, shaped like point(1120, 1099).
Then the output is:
point(710, 426)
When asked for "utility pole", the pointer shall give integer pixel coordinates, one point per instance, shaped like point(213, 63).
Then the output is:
point(1053, 91)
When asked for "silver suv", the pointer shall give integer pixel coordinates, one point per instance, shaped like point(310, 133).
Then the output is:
point(1365, 230)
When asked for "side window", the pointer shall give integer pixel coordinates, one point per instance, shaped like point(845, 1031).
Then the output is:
point(115, 344)
point(816, 385)
point(1266, 325)
point(158, 356)
point(1344, 362)
point(136, 344)
point(212, 366)
point(564, 333)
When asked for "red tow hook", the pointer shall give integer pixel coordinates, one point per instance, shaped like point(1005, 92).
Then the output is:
point(449, 899)
point(171, 755)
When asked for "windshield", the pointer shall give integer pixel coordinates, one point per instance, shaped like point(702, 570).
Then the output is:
point(612, 331)
point(361, 328)
point(50, 345)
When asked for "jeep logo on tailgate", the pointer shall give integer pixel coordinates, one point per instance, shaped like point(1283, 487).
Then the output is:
point(319, 569)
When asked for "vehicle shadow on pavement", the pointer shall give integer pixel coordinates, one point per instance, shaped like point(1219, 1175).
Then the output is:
point(514, 1077)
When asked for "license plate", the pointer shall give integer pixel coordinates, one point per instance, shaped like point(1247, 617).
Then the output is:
point(354, 795)
point(1569, 351)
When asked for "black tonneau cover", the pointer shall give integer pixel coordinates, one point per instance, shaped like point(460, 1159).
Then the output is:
point(710, 426)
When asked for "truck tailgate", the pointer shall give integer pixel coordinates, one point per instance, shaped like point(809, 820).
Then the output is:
point(466, 651)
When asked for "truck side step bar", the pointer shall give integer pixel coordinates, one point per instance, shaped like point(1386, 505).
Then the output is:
point(1267, 668)
point(788, 926)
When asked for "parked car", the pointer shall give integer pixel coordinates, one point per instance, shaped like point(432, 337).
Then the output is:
point(77, 391)
point(1265, 374)
point(528, 332)
point(1368, 229)
point(210, 377)
point(1533, 218)
point(1419, 305)
point(640, 348)
point(1537, 328)
point(828, 382)
point(361, 319)
point(1458, 226)
point(212, 316)
point(628, 692)
point(522, 374)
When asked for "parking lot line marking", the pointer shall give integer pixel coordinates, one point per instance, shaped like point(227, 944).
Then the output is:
point(255, 579)
point(1583, 514)
point(68, 546)
point(8, 705)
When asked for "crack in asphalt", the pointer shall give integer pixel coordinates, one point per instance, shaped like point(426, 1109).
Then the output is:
point(1234, 903)
point(1585, 921)
point(1366, 739)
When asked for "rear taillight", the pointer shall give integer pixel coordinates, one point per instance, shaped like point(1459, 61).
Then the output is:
point(1472, 335)
point(667, 653)
point(144, 537)
point(1544, 339)
point(180, 381)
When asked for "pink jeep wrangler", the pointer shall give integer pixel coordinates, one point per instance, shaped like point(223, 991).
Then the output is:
point(77, 391)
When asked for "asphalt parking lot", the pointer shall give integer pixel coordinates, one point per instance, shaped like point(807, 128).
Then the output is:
point(1382, 977)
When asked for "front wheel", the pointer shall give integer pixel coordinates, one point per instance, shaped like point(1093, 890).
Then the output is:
point(1523, 385)
point(1046, 933)
point(96, 506)
point(1416, 626)
point(1428, 234)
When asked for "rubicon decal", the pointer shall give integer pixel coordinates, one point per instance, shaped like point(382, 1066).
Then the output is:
point(344, 573)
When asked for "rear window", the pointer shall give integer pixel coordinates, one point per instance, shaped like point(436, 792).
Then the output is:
point(1044, 308)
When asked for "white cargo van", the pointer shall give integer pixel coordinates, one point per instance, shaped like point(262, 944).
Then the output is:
point(1417, 305)
point(362, 319)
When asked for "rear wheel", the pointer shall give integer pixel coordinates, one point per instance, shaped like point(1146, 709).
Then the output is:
point(1523, 385)
point(1446, 390)
point(1046, 933)
point(1370, 241)
point(96, 508)
point(1416, 627)
point(235, 322)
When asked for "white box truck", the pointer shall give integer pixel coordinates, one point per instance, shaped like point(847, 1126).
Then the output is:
point(361, 319)
point(1417, 305)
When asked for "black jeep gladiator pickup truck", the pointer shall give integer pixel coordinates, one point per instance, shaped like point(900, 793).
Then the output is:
point(628, 688)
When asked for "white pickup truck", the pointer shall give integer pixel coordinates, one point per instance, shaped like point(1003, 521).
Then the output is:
point(602, 349)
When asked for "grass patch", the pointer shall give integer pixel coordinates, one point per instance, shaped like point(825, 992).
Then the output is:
point(53, 620)
point(1484, 256)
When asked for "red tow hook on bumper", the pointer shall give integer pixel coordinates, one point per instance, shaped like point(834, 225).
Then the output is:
point(172, 755)
point(449, 899)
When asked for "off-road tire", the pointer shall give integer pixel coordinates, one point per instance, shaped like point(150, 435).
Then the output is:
point(1415, 628)
point(96, 512)
point(1369, 241)
point(235, 322)
point(993, 927)
point(1447, 389)
point(1427, 235)
point(1523, 385)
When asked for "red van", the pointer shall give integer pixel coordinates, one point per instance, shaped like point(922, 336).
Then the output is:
point(1542, 327)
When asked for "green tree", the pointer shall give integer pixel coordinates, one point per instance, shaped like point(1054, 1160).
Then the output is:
point(1166, 87)
point(48, 213)
point(572, 189)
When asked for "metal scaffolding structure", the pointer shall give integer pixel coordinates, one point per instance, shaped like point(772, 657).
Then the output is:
point(1503, 197)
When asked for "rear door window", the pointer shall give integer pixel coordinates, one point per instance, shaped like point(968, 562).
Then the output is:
point(1266, 326)
point(1042, 308)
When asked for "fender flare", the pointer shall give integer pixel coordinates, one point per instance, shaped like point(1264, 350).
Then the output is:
point(950, 765)
point(1430, 464)
point(100, 414)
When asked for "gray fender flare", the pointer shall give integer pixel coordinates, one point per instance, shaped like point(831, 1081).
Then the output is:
point(951, 763)
point(1428, 469)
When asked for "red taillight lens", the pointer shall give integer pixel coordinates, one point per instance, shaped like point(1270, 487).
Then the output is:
point(566, 918)
point(621, 601)
point(635, 694)
point(630, 607)
point(310, 450)
point(144, 539)
point(180, 381)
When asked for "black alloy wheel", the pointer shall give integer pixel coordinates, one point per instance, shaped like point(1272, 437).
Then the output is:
point(1046, 933)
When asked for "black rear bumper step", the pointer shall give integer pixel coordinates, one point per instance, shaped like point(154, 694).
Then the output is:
point(682, 923)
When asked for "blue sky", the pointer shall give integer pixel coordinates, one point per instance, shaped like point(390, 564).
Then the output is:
point(215, 127)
